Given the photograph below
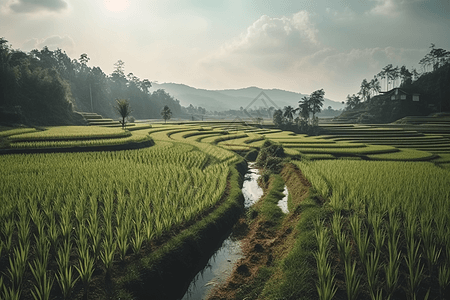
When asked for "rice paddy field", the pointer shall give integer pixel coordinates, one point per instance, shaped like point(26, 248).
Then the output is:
point(68, 217)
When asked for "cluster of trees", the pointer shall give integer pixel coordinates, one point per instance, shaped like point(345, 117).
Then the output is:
point(431, 85)
point(29, 90)
point(194, 111)
point(306, 120)
point(436, 58)
point(397, 77)
point(46, 83)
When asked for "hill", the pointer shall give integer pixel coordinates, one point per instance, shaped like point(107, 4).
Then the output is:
point(432, 88)
point(220, 100)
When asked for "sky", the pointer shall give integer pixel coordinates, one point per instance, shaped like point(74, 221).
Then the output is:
point(295, 45)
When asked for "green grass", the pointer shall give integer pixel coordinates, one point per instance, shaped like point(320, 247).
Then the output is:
point(404, 155)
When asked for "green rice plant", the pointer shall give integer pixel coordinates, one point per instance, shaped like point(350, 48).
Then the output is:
point(325, 286)
point(443, 278)
point(66, 281)
point(23, 228)
point(42, 248)
point(430, 249)
point(18, 265)
point(138, 237)
point(85, 268)
point(44, 284)
point(415, 268)
point(107, 253)
point(94, 234)
point(11, 293)
point(148, 230)
point(372, 266)
point(82, 240)
point(392, 268)
point(336, 226)
point(361, 236)
point(8, 230)
point(352, 280)
point(378, 233)
point(65, 224)
point(122, 236)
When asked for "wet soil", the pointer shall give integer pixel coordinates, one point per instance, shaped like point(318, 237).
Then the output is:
point(263, 243)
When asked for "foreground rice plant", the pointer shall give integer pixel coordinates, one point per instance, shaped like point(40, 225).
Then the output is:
point(398, 214)
point(76, 212)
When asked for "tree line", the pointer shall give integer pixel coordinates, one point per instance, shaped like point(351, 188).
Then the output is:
point(392, 77)
point(306, 120)
point(45, 86)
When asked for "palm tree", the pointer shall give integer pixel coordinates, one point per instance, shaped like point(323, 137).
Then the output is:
point(123, 109)
point(365, 90)
point(166, 113)
point(304, 108)
point(316, 102)
point(289, 112)
point(387, 73)
point(374, 86)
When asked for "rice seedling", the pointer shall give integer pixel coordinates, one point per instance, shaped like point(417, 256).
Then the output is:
point(352, 280)
point(443, 278)
point(11, 293)
point(66, 281)
point(325, 286)
point(85, 268)
point(44, 284)
point(415, 268)
point(107, 253)
point(17, 265)
point(372, 266)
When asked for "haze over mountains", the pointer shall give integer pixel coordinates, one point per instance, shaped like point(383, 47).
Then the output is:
point(220, 100)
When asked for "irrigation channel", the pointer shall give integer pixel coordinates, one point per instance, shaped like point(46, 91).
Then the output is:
point(221, 263)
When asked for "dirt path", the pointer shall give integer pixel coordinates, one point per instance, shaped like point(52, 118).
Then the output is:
point(263, 244)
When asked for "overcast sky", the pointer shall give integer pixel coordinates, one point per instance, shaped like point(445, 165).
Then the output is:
point(294, 45)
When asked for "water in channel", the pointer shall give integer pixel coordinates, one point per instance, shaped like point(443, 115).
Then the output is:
point(221, 264)
point(283, 203)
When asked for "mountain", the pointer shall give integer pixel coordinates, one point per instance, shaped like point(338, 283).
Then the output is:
point(220, 100)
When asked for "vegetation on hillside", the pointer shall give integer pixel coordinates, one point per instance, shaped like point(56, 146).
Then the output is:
point(44, 87)
point(369, 105)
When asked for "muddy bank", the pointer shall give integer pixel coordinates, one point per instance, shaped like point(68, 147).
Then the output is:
point(265, 243)
point(221, 264)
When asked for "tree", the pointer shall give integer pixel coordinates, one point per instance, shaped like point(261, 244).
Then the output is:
point(289, 112)
point(304, 108)
point(352, 101)
point(316, 102)
point(365, 90)
point(123, 109)
point(374, 86)
point(166, 113)
point(278, 117)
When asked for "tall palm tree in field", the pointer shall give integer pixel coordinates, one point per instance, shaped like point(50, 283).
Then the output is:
point(365, 90)
point(374, 86)
point(289, 112)
point(304, 108)
point(166, 113)
point(316, 101)
point(123, 109)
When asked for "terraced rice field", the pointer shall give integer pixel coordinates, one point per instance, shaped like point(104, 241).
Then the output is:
point(131, 198)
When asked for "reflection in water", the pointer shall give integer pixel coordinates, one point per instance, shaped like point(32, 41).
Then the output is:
point(221, 264)
point(283, 203)
point(250, 189)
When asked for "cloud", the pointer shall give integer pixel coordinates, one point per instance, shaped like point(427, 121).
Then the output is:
point(31, 6)
point(64, 43)
point(269, 43)
point(267, 35)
